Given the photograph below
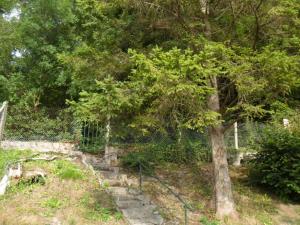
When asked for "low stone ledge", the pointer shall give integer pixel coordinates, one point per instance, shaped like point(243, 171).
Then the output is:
point(40, 146)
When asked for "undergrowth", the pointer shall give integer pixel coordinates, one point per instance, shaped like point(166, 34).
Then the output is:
point(52, 203)
point(67, 170)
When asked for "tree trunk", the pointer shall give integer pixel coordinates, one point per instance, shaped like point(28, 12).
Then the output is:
point(224, 203)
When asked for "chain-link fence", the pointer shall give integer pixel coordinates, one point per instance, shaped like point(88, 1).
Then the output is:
point(249, 134)
point(40, 125)
point(170, 144)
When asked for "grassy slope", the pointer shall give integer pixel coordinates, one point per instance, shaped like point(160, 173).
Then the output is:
point(70, 195)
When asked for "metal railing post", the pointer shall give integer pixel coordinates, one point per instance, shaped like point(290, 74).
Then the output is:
point(3, 112)
point(140, 177)
point(185, 215)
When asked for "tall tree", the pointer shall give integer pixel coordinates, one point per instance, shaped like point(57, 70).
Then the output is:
point(44, 29)
point(224, 203)
point(239, 22)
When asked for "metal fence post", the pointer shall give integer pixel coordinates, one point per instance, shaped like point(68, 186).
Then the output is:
point(185, 215)
point(3, 112)
point(239, 155)
point(140, 177)
point(236, 137)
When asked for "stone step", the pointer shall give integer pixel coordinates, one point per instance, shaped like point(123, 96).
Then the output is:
point(139, 222)
point(122, 194)
point(142, 216)
point(109, 175)
point(118, 190)
point(125, 191)
point(134, 203)
point(111, 183)
point(137, 208)
point(101, 166)
point(142, 222)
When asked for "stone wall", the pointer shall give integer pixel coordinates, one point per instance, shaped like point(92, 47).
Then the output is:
point(41, 146)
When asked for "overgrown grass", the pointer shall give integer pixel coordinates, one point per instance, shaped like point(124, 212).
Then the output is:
point(52, 203)
point(253, 203)
point(8, 156)
point(67, 170)
point(205, 221)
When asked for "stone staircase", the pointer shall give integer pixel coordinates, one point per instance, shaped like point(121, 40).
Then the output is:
point(137, 208)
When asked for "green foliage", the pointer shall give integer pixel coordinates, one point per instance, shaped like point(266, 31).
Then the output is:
point(205, 221)
point(9, 42)
point(283, 111)
point(173, 84)
point(188, 151)
point(67, 170)
point(277, 163)
point(23, 187)
point(6, 5)
point(109, 100)
point(24, 124)
point(3, 89)
point(35, 180)
point(266, 78)
point(44, 30)
point(67, 45)
point(181, 153)
point(265, 219)
point(137, 160)
point(52, 203)
point(99, 213)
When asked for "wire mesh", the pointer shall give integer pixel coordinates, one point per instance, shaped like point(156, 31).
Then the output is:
point(249, 136)
point(184, 146)
point(34, 126)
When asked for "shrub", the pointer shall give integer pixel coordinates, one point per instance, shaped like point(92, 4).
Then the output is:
point(277, 164)
point(134, 160)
